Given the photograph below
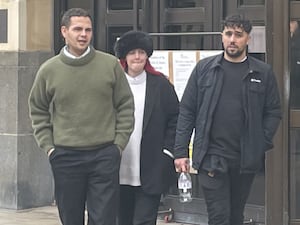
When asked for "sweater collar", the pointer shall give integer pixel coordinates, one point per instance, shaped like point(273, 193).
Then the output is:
point(78, 61)
point(69, 54)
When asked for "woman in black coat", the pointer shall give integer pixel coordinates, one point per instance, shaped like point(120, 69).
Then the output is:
point(147, 168)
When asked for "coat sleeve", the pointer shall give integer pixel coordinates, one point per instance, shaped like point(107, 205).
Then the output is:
point(124, 106)
point(272, 110)
point(187, 117)
point(172, 108)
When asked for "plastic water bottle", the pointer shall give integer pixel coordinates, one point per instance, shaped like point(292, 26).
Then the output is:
point(185, 187)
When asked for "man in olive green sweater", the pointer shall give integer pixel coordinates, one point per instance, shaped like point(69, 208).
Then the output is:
point(82, 114)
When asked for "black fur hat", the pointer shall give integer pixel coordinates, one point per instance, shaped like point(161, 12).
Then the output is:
point(133, 40)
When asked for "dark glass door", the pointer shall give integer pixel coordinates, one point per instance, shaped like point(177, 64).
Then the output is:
point(294, 149)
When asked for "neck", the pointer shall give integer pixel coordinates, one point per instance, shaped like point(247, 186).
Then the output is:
point(241, 58)
point(134, 73)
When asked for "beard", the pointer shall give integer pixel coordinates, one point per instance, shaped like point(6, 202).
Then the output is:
point(235, 53)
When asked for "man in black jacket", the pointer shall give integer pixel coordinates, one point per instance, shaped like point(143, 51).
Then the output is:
point(232, 101)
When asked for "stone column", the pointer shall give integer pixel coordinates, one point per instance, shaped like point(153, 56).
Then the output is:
point(25, 42)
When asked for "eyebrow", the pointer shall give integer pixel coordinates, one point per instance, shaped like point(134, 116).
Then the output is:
point(233, 32)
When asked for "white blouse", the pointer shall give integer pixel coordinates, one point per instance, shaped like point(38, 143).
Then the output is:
point(130, 162)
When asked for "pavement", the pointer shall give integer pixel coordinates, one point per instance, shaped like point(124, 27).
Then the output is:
point(41, 216)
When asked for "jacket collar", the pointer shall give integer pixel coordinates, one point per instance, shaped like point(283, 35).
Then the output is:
point(255, 65)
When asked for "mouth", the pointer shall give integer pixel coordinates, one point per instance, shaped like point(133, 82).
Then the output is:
point(82, 42)
point(232, 46)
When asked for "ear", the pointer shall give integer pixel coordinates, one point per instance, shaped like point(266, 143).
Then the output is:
point(63, 31)
point(249, 38)
point(222, 36)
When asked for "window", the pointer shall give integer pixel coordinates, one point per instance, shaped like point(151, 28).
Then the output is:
point(120, 5)
point(183, 3)
point(3, 27)
point(252, 2)
point(185, 42)
point(112, 35)
point(123, 4)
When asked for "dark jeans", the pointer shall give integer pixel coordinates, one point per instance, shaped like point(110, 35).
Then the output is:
point(137, 207)
point(86, 179)
point(227, 199)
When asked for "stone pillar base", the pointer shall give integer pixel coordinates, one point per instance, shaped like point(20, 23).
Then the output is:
point(26, 179)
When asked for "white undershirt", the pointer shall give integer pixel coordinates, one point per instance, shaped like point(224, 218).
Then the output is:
point(70, 55)
point(130, 162)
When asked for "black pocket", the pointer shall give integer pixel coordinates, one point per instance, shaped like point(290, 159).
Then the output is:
point(256, 86)
point(210, 182)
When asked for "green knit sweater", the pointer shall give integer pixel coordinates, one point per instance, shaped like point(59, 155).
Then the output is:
point(81, 103)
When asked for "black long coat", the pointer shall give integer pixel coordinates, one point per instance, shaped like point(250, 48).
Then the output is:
point(159, 127)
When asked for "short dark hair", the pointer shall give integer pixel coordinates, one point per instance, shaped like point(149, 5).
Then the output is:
point(238, 21)
point(66, 18)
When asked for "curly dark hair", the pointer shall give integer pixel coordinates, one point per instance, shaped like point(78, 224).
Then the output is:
point(238, 21)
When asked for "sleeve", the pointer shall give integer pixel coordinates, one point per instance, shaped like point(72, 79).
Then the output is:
point(272, 109)
point(124, 106)
point(172, 108)
point(39, 113)
point(187, 117)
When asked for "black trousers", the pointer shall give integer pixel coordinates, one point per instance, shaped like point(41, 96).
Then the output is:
point(226, 196)
point(137, 207)
point(86, 180)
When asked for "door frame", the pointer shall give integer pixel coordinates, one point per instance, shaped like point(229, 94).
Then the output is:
point(277, 188)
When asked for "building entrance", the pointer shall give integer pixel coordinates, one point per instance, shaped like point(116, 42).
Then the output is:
point(112, 18)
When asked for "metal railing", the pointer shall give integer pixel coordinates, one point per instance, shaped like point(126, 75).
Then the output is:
point(184, 33)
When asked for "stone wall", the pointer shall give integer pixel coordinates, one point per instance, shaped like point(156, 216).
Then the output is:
point(25, 177)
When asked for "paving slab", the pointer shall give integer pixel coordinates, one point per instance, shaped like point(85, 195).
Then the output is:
point(41, 216)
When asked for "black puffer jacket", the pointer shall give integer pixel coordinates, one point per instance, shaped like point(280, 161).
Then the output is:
point(261, 104)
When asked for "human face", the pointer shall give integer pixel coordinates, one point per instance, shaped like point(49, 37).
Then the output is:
point(235, 41)
point(136, 60)
point(78, 34)
point(293, 26)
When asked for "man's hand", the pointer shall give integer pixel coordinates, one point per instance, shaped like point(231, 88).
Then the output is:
point(182, 165)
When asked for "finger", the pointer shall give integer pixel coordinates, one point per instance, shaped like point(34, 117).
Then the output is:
point(183, 168)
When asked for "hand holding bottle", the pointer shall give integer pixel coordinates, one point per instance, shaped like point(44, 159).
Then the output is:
point(182, 164)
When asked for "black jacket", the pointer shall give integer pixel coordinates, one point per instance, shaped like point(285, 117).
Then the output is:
point(159, 126)
point(261, 105)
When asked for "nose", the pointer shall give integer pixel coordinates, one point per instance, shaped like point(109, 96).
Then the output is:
point(83, 33)
point(232, 38)
point(137, 54)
